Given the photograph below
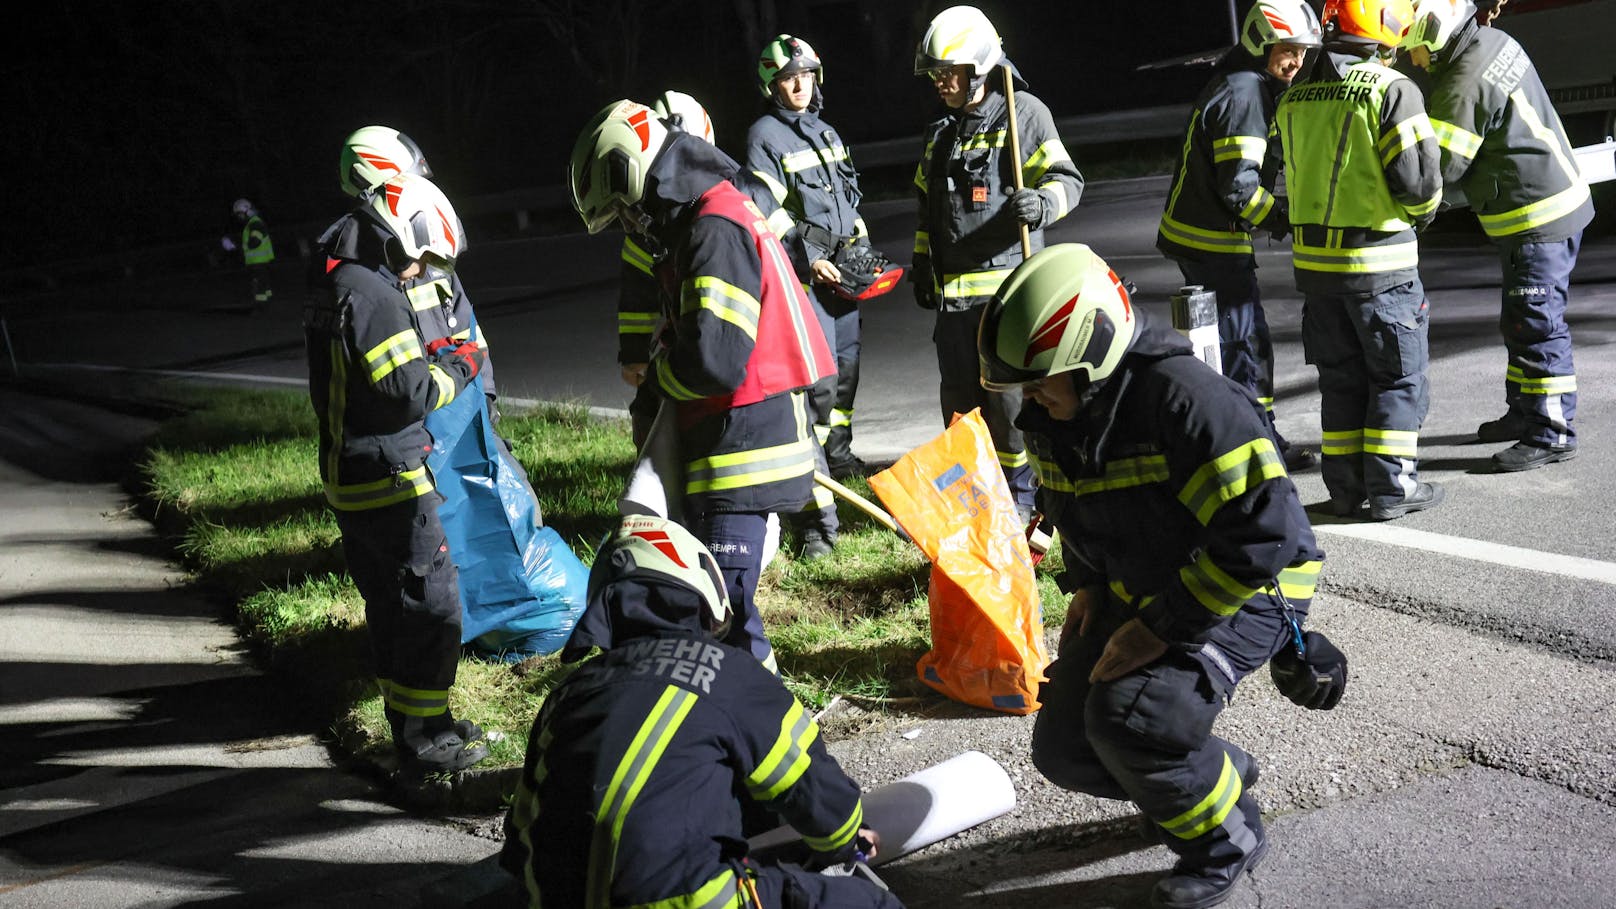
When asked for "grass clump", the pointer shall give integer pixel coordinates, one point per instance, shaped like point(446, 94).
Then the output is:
point(236, 481)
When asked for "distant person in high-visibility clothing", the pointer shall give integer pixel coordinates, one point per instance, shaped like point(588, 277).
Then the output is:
point(257, 252)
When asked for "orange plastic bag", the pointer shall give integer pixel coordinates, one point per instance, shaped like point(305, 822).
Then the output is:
point(986, 632)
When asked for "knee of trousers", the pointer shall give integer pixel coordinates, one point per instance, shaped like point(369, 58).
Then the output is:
point(1062, 753)
point(1167, 706)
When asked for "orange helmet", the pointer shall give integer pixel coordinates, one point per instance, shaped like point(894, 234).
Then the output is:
point(1384, 22)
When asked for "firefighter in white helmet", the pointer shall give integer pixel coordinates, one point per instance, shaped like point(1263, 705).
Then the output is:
point(739, 344)
point(372, 380)
point(1503, 149)
point(1223, 190)
point(970, 213)
point(729, 736)
point(810, 170)
point(1188, 554)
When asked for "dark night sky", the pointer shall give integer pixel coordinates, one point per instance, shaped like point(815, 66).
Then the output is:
point(133, 125)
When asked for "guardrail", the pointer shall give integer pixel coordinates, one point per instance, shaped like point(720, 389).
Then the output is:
point(528, 205)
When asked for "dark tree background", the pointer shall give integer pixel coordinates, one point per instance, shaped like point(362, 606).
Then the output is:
point(133, 125)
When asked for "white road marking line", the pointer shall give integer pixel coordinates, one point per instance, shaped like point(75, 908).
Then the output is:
point(1478, 550)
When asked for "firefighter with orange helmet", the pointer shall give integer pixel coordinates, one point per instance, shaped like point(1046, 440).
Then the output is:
point(740, 343)
point(1362, 176)
point(1188, 554)
point(1223, 190)
point(373, 379)
point(970, 213)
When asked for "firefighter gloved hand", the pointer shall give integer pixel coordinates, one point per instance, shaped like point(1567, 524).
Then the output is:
point(920, 276)
point(1029, 206)
point(1315, 681)
point(432, 347)
point(1130, 647)
point(470, 354)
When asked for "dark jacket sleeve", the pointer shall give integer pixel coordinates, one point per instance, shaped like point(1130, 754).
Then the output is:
point(719, 306)
point(1237, 130)
point(1228, 473)
point(1409, 153)
point(387, 345)
point(1046, 165)
point(639, 304)
point(786, 767)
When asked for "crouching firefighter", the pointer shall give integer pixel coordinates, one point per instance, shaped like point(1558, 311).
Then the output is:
point(636, 766)
point(1190, 561)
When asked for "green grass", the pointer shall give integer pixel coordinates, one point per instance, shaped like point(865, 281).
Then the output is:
point(235, 481)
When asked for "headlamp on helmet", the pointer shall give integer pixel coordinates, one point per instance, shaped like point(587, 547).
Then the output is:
point(1062, 309)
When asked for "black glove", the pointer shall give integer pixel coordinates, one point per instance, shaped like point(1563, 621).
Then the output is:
point(1028, 205)
point(1315, 681)
point(920, 276)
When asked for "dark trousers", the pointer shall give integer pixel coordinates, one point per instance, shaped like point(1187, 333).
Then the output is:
point(960, 389)
point(736, 542)
point(847, 327)
point(1147, 737)
point(399, 559)
point(1371, 352)
point(1540, 383)
point(1243, 339)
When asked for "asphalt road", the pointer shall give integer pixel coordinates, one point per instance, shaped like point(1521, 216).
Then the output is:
point(1472, 763)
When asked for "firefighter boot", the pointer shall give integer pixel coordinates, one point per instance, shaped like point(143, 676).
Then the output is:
point(1200, 881)
point(445, 752)
point(1507, 428)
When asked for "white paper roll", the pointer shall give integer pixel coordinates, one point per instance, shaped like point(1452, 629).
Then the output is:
point(927, 806)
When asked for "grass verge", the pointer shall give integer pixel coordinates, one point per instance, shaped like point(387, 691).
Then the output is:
point(235, 482)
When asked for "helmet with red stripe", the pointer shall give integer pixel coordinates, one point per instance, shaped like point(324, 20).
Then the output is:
point(1062, 309)
point(372, 155)
point(610, 161)
point(421, 220)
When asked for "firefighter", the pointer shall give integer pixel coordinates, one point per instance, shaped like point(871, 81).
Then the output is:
point(804, 162)
point(372, 381)
point(1504, 150)
point(642, 293)
point(970, 213)
point(257, 251)
point(1224, 191)
point(631, 793)
point(1188, 554)
point(1362, 173)
point(740, 342)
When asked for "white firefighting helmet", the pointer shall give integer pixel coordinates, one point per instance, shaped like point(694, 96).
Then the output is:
point(421, 219)
point(959, 34)
point(785, 55)
point(372, 155)
point(1271, 22)
point(685, 112)
point(654, 549)
point(610, 160)
point(1436, 21)
point(1060, 310)
point(242, 209)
